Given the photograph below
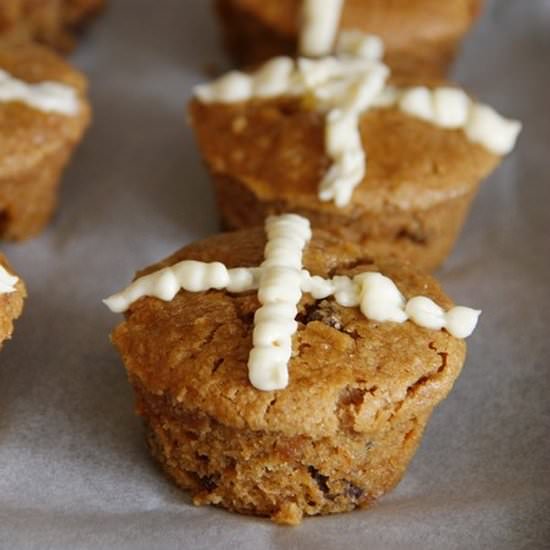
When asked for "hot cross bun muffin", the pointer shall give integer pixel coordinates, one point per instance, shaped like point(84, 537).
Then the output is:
point(358, 396)
point(43, 115)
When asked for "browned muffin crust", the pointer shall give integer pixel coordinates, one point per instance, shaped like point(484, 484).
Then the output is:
point(268, 156)
point(54, 23)
point(11, 305)
point(342, 432)
point(34, 145)
point(421, 37)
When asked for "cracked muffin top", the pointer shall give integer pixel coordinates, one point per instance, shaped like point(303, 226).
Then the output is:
point(346, 372)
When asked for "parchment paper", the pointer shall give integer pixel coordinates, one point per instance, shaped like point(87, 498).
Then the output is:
point(74, 470)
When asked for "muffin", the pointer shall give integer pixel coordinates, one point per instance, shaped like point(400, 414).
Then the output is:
point(43, 115)
point(421, 37)
point(368, 361)
point(54, 23)
point(392, 168)
point(12, 294)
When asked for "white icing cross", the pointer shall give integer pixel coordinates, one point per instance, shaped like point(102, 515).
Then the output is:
point(45, 96)
point(345, 87)
point(281, 281)
point(7, 281)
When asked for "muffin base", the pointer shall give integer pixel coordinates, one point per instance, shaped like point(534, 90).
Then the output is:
point(28, 199)
point(422, 237)
point(275, 475)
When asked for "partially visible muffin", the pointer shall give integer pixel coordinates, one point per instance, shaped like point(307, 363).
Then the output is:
point(36, 140)
point(12, 295)
point(421, 37)
point(336, 438)
point(54, 23)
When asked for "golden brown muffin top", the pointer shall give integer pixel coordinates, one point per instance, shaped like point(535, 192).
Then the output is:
point(400, 23)
point(11, 304)
point(28, 134)
point(276, 148)
point(346, 372)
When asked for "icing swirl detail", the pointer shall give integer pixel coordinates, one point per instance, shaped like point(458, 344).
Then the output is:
point(281, 281)
point(50, 97)
point(7, 281)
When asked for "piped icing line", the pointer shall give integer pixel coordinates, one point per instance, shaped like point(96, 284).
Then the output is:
point(343, 139)
point(452, 108)
point(49, 97)
point(379, 299)
point(319, 25)
point(279, 292)
point(187, 275)
point(281, 281)
point(7, 281)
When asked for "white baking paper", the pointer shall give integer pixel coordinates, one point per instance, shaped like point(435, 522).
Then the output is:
point(74, 470)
